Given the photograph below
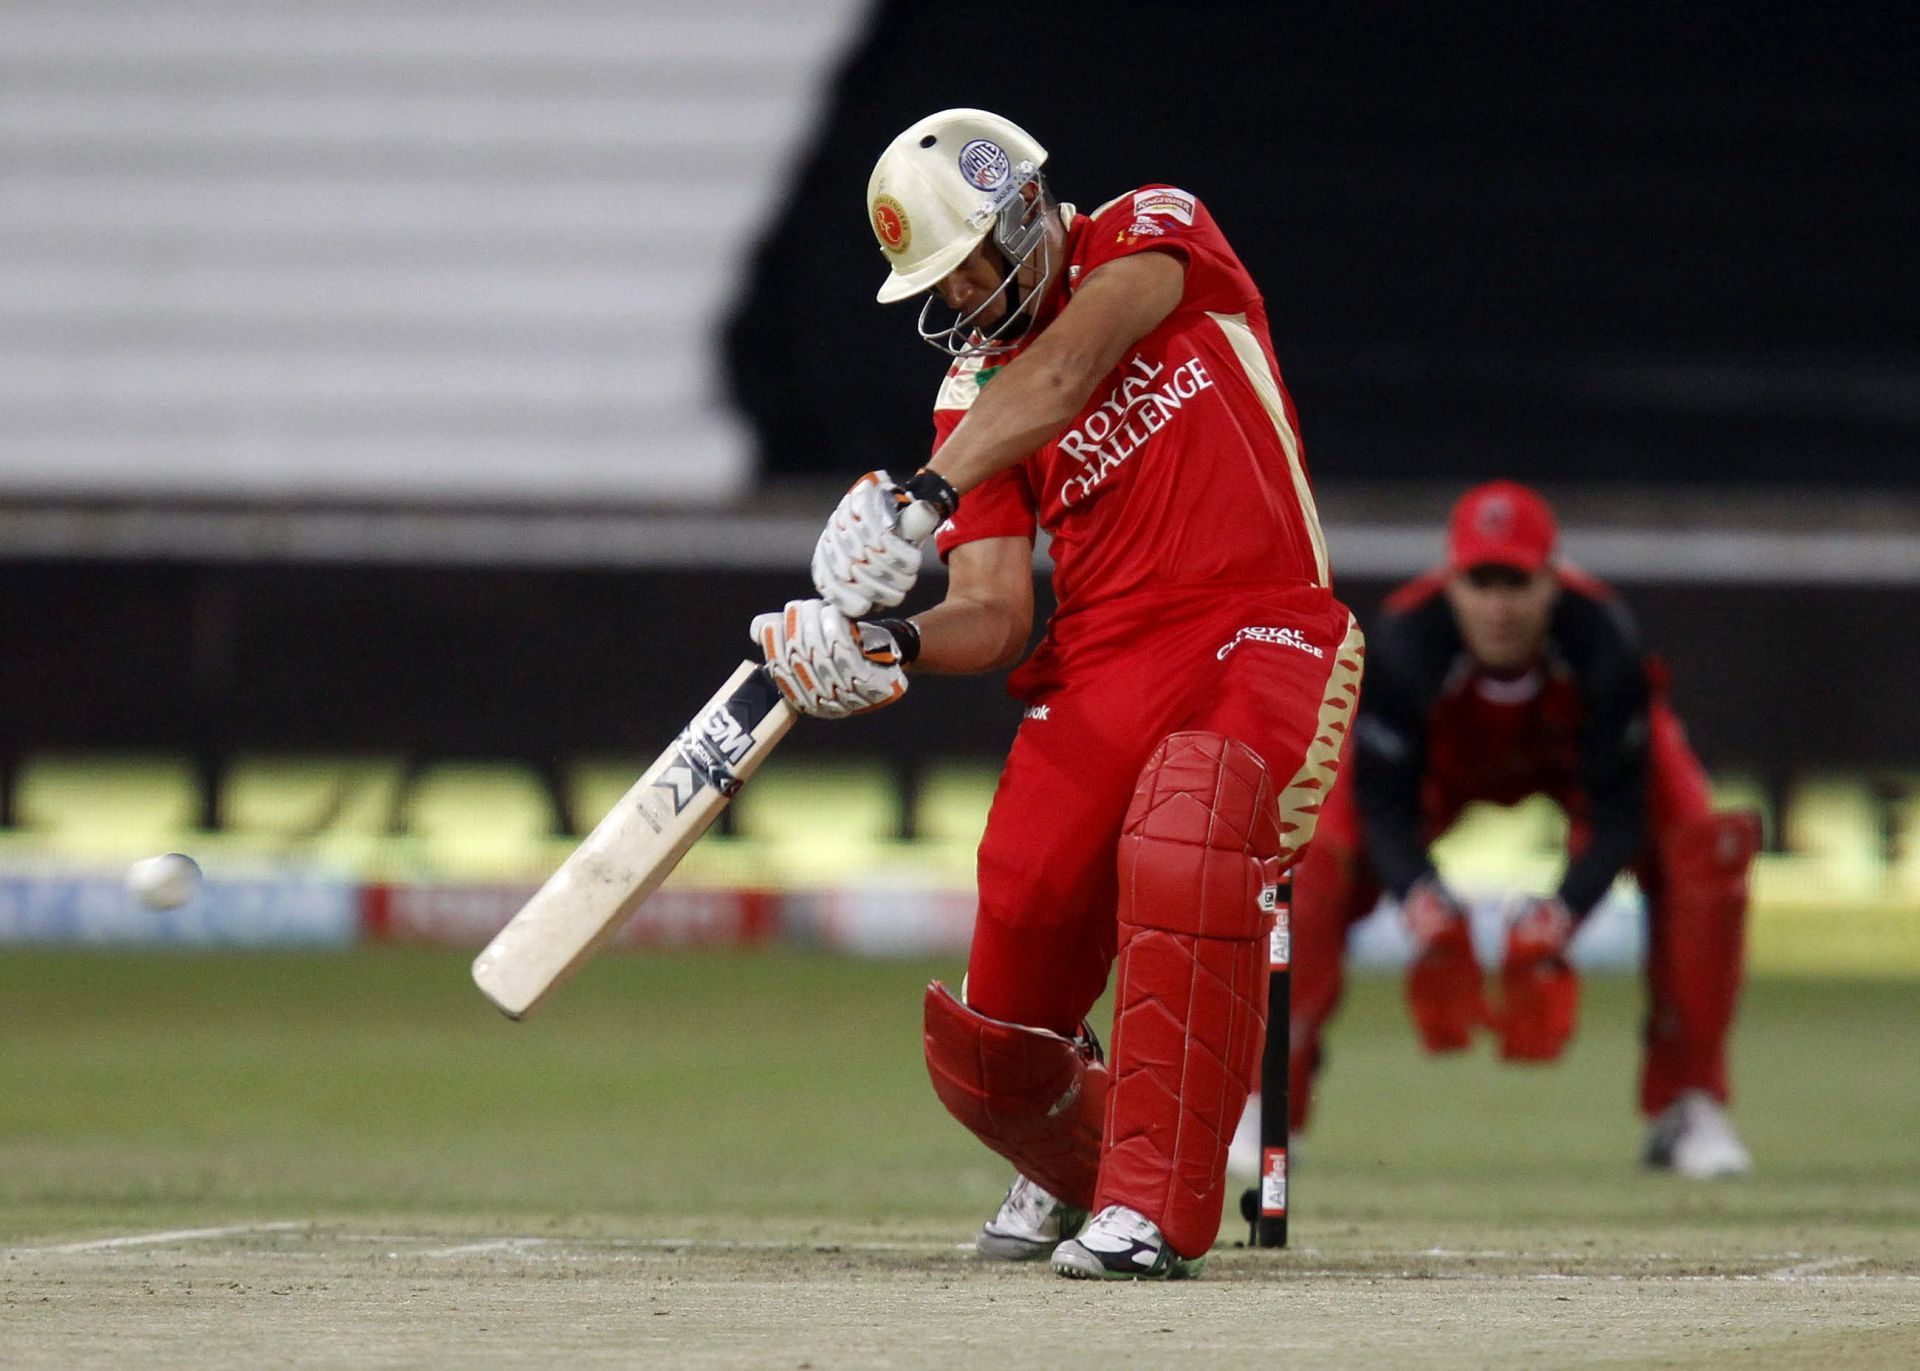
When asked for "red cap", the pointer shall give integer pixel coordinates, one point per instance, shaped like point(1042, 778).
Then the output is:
point(1502, 523)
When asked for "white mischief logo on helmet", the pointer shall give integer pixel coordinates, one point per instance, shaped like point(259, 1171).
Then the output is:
point(985, 164)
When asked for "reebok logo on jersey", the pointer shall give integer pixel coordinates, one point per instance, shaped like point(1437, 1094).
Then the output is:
point(1261, 633)
point(1146, 401)
point(1038, 713)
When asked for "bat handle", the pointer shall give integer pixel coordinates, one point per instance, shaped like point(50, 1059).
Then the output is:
point(930, 500)
point(918, 520)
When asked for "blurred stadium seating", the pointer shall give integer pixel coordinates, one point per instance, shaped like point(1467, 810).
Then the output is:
point(103, 805)
point(1838, 895)
point(390, 251)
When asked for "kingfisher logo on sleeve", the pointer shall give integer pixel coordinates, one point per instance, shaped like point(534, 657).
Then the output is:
point(1166, 202)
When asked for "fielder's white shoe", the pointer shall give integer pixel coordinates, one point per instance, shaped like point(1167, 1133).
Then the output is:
point(1122, 1244)
point(1029, 1226)
point(1694, 1138)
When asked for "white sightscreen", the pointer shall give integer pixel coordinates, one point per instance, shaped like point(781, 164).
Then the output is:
point(387, 249)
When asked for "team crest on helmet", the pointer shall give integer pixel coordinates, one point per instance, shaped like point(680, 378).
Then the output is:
point(890, 224)
point(985, 164)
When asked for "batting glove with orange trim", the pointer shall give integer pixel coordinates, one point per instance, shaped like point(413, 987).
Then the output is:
point(827, 666)
point(863, 561)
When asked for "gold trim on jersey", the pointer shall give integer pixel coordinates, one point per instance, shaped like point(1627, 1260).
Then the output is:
point(1253, 361)
point(1301, 801)
point(962, 385)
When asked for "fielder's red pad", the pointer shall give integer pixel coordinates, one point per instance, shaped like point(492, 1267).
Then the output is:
point(1197, 863)
point(1036, 1098)
point(1696, 962)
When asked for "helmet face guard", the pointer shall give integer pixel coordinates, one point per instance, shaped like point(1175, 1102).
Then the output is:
point(1018, 228)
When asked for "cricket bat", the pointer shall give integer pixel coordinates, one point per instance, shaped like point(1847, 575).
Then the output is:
point(637, 846)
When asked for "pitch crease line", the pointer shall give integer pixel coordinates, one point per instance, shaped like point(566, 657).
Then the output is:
point(587, 1246)
point(472, 1249)
point(158, 1239)
point(1804, 1269)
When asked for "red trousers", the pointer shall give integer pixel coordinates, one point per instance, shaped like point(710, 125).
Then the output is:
point(1101, 695)
point(1695, 896)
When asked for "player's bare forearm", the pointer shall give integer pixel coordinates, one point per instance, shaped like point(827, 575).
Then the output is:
point(987, 615)
point(960, 637)
point(1038, 393)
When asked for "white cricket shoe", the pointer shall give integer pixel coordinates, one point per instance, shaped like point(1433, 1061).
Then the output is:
point(1029, 1226)
point(1122, 1244)
point(1694, 1138)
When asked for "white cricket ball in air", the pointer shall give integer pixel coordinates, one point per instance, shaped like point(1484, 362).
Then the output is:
point(165, 882)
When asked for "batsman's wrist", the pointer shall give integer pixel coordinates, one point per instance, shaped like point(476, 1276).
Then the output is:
point(929, 485)
point(906, 638)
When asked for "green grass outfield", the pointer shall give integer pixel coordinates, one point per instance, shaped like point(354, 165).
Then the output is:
point(781, 1097)
point(725, 1090)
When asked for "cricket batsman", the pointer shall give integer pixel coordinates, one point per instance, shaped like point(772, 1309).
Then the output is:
point(1506, 674)
point(1113, 383)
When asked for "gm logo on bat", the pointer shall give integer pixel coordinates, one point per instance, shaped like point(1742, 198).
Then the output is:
point(709, 750)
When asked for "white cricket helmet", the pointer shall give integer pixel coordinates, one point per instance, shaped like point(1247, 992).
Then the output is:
point(940, 188)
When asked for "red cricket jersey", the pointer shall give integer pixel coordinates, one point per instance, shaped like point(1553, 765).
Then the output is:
point(1435, 731)
point(1185, 471)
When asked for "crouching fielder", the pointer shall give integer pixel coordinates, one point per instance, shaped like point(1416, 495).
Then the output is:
point(1113, 383)
point(1508, 673)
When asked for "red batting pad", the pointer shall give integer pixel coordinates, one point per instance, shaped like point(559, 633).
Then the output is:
point(1697, 916)
point(1196, 851)
point(1036, 1098)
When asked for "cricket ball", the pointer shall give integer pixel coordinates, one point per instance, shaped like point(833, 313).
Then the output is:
point(164, 882)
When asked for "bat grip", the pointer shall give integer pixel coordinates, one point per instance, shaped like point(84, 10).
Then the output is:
point(918, 520)
point(930, 500)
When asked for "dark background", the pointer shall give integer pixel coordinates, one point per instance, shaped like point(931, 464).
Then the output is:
point(545, 667)
point(1597, 243)
point(1654, 251)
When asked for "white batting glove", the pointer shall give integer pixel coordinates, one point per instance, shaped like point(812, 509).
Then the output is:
point(863, 561)
point(826, 666)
